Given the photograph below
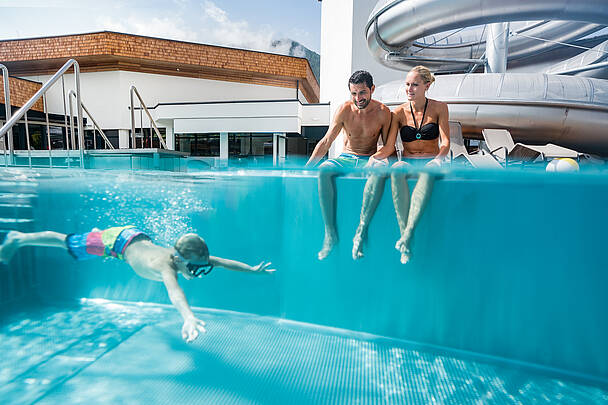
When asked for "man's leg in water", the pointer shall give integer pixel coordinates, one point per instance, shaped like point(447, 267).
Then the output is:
point(420, 197)
point(15, 240)
point(327, 199)
point(372, 194)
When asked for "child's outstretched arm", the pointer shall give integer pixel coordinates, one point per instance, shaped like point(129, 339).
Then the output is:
point(192, 325)
point(263, 267)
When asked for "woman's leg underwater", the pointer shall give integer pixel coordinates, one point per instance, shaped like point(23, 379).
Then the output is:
point(419, 199)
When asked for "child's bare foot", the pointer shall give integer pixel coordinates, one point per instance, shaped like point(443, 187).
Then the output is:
point(10, 246)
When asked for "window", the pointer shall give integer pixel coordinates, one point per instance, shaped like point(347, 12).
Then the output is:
point(145, 139)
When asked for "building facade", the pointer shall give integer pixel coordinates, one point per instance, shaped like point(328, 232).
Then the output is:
point(206, 100)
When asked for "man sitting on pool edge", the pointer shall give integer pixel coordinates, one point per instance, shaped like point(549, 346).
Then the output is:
point(363, 120)
point(189, 256)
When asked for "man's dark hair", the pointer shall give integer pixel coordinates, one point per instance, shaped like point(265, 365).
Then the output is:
point(361, 76)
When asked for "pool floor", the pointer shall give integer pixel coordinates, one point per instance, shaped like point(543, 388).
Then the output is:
point(98, 351)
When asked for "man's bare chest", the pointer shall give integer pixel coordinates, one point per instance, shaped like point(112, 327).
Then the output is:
point(363, 128)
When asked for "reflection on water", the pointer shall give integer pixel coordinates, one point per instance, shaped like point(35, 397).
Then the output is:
point(111, 352)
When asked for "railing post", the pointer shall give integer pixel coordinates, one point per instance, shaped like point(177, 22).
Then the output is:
point(5, 146)
point(8, 112)
point(72, 123)
point(48, 131)
point(23, 110)
point(27, 141)
point(131, 90)
point(95, 124)
point(79, 109)
point(65, 123)
point(144, 108)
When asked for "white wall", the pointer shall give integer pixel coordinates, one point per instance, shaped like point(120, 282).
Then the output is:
point(236, 124)
point(336, 50)
point(106, 94)
point(232, 117)
point(362, 59)
point(315, 114)
point(344, 49)
point(280, 117)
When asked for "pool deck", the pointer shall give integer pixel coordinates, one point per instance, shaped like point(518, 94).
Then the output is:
point(127, 353)
point(146, 158)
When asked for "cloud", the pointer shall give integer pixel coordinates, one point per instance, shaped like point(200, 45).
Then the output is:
point(215, 13)
point(239, 34)
point(185, 20)
point(166, 27)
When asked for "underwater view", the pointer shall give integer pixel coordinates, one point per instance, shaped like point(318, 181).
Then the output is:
point(501, 301)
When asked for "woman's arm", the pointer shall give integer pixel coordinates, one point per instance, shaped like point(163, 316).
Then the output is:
point(444, 135)
point(444, 131)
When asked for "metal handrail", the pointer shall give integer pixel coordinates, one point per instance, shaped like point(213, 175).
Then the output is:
point(48, 131)
point(45, 87)
point(143, 106)
point(8, 111)
point(71, 94)
point(65, 123)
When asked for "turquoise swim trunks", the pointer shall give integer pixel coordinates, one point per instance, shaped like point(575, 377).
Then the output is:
point(349, 160)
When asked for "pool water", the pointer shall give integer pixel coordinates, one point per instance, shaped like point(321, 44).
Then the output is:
point(503, 302)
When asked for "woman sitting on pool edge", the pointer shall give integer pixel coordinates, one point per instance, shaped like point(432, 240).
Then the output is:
point(189, 257)
point(423, 125)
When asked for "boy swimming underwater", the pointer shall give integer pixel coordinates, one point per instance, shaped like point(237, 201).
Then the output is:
point(188, 257)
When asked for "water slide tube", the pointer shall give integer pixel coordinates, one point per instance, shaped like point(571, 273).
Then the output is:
point(535, 107)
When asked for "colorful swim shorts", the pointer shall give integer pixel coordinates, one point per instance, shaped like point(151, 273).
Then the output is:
point(110, 242)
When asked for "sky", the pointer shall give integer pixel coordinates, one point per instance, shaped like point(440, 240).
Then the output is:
point(249, 24)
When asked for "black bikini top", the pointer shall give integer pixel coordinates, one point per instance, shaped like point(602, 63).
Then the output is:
point(426, 132)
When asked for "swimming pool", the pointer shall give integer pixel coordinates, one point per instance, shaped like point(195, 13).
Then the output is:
point(503, 301)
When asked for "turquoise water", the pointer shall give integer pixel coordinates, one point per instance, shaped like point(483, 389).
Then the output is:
point(504, 296)
point(99, 351)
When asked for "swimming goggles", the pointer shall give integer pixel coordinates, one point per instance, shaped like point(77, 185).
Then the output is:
point(196, 270)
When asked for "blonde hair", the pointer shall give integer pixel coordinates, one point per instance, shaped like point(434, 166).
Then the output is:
point(424, 73)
